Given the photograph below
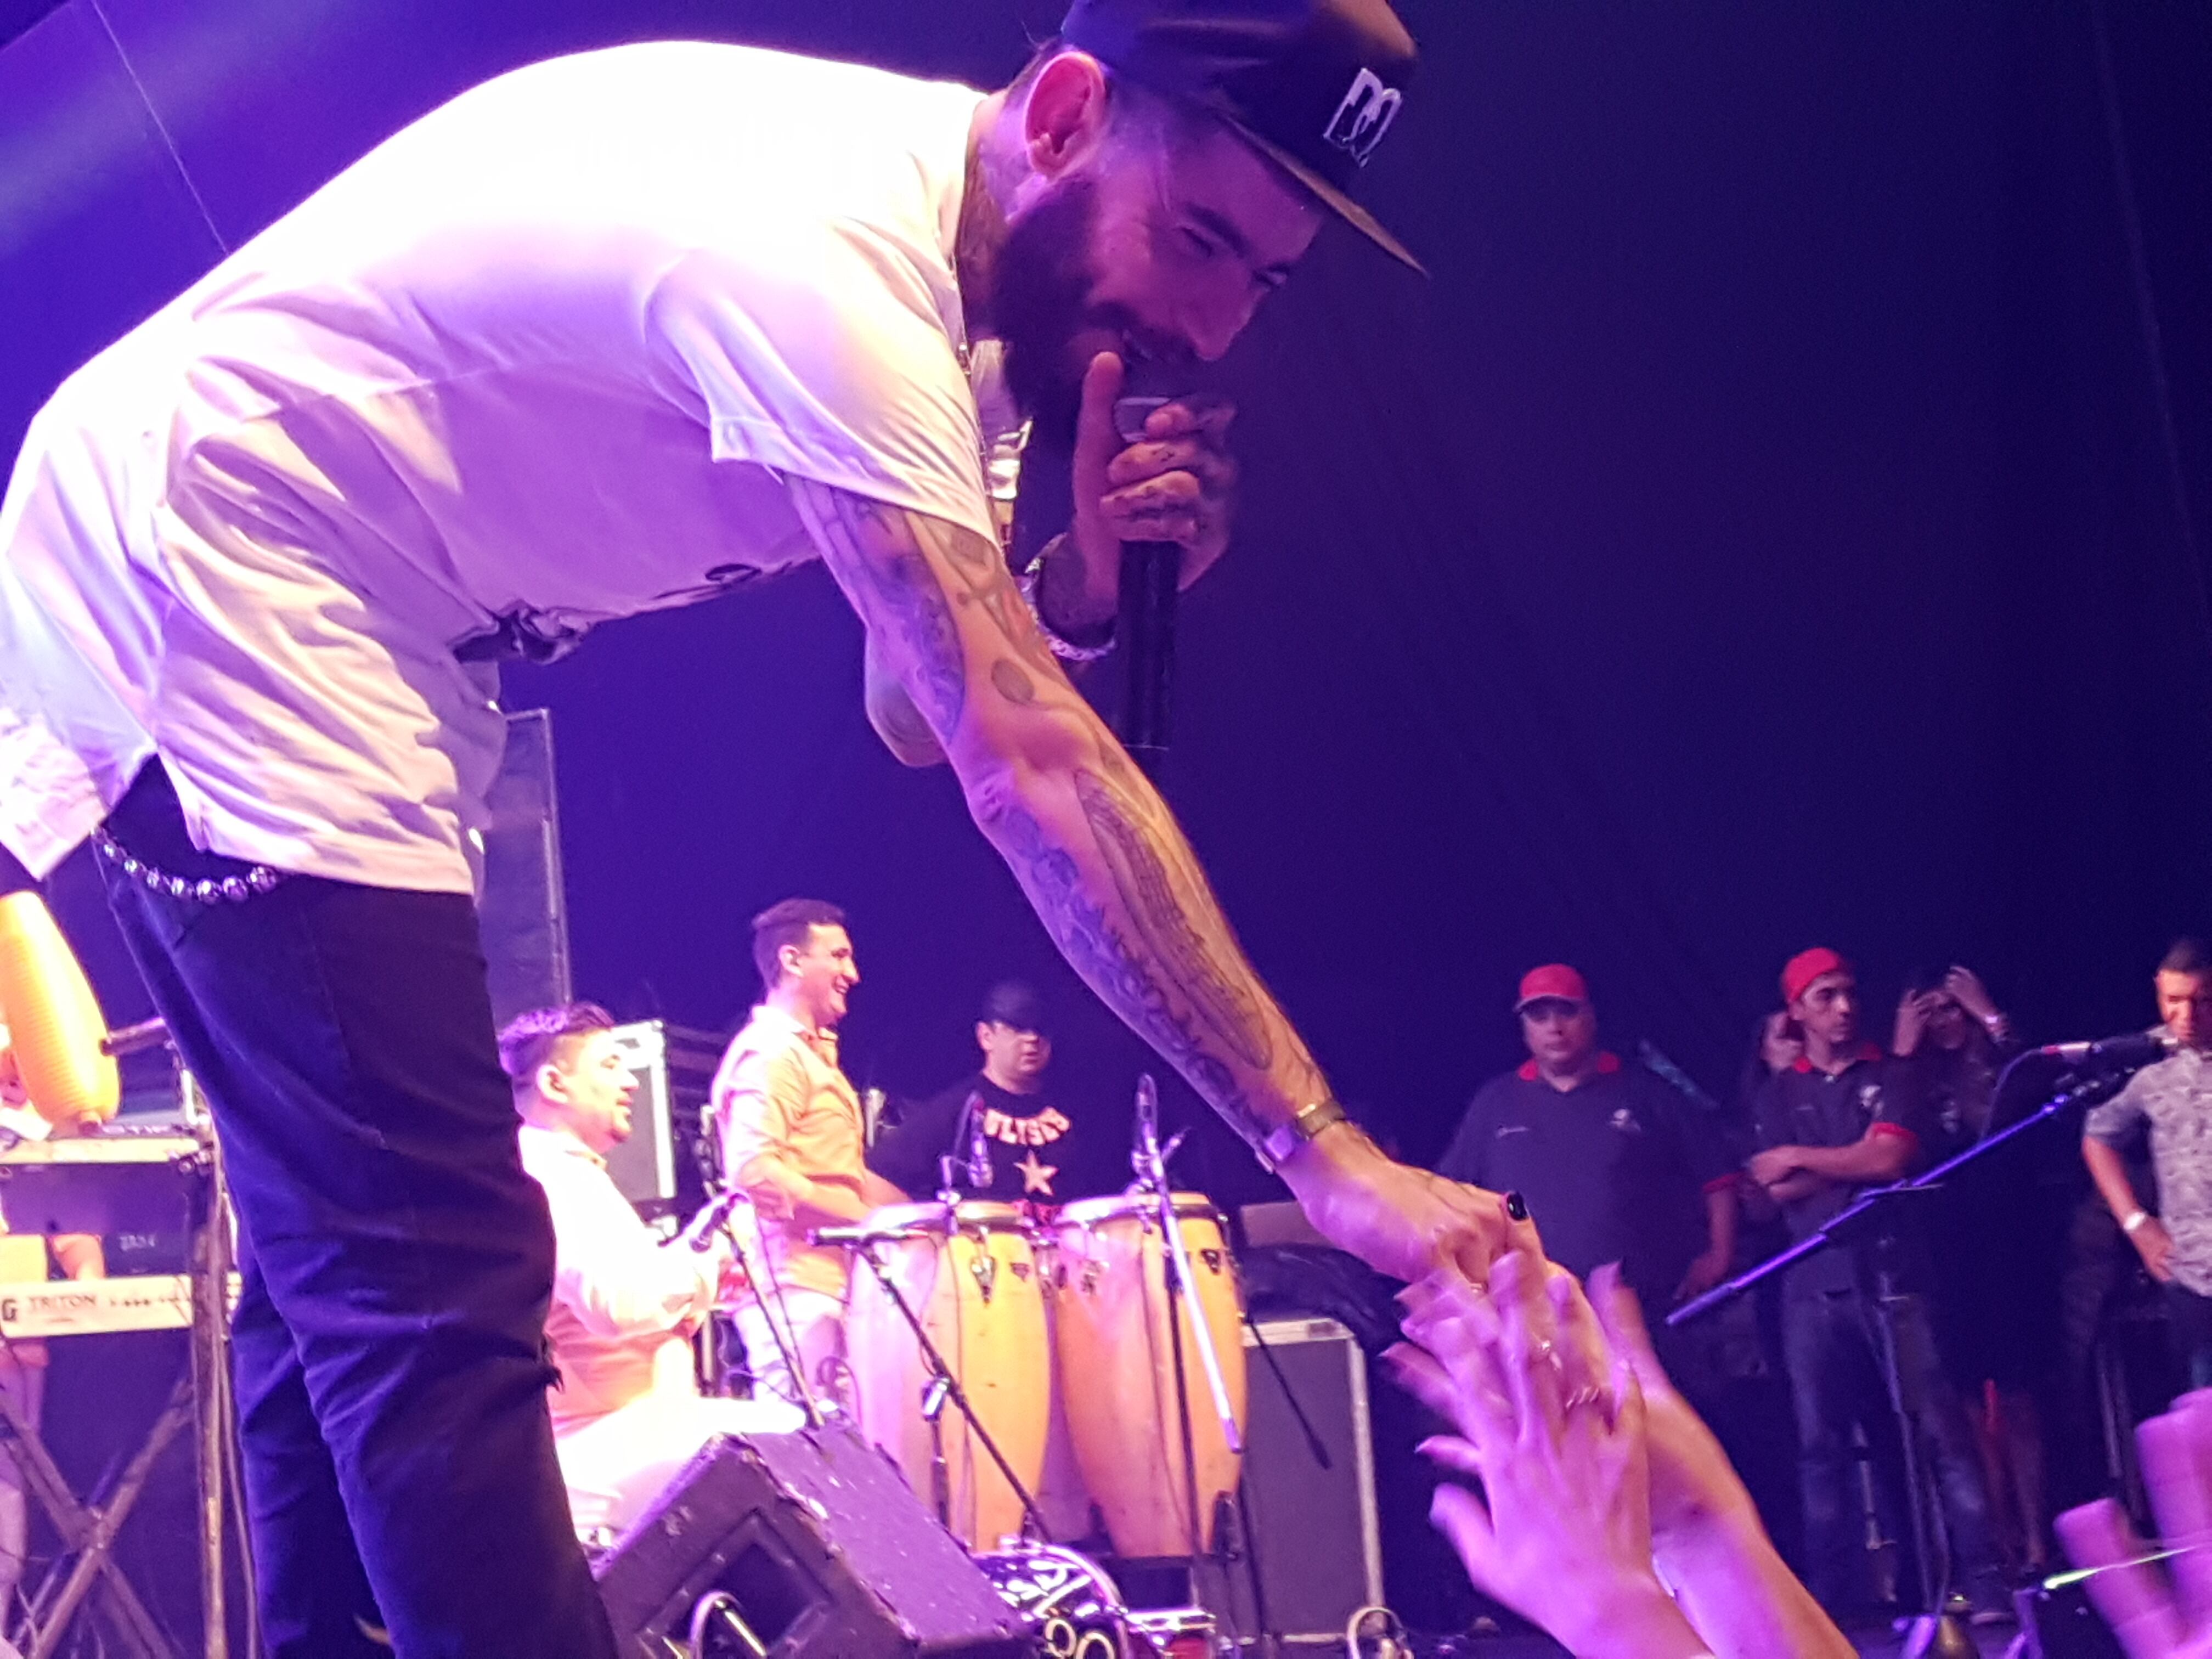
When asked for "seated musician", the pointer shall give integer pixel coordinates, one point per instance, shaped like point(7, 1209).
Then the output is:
point(23, 1364)
point(794, 1143)
point(627, 1410)
point(1025, 1137)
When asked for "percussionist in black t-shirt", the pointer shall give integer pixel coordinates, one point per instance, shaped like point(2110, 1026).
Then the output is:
point(1039, 1145)
point(1612, 1162)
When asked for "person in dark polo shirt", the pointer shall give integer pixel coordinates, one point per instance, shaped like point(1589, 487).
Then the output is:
point(1042, 1144)
point(1830, 1125)
point(1608, 1158)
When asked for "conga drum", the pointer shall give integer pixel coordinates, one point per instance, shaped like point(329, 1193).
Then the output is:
point(1116, 1356)
point(969, 1274)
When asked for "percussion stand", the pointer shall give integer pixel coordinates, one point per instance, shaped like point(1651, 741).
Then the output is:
point(941, 1386)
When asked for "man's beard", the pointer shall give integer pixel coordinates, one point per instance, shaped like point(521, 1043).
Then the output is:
point(1041, 301)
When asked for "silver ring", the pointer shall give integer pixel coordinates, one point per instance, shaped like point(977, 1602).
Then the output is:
point(1546, 1354)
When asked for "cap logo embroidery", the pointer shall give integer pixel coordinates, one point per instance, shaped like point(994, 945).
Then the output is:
point(1363, 117)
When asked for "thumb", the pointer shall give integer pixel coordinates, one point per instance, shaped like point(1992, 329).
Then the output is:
point(1460, 1517)
point(1096, 442)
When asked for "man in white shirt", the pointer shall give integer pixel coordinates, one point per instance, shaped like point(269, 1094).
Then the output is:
point(794, 1143)
point(627, 1410)
point(609, 334)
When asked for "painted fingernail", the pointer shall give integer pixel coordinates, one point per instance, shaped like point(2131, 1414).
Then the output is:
point(1516, 1207)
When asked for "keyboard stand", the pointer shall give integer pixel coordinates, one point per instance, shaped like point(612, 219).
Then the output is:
point(137, 1175)
point(87, 1532)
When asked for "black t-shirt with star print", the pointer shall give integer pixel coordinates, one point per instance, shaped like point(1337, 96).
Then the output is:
point(1040, 1149)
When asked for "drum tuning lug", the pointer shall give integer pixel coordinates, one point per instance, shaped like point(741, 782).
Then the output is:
point(1212, 1260)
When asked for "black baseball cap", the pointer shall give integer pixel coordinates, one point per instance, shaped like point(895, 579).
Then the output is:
point(1016, 1006)
point(1312, 85)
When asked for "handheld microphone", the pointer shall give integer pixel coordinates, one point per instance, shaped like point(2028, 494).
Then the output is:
point(2120, 1054)
point(1151, 575)
point(700, 1235)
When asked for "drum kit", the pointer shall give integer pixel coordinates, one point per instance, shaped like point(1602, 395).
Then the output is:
point(1039, 1376)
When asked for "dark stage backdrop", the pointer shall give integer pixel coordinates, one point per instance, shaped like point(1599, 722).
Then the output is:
point(1777, 521)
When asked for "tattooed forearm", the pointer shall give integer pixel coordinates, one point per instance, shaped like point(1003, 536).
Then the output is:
point(1096, 849)
point(1123, 977)
point(1161, 900)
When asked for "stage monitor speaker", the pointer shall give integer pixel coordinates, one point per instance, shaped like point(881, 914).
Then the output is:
point(523, 914)
point(657, 1168)
point(1314, 1534)
point(813, 1545)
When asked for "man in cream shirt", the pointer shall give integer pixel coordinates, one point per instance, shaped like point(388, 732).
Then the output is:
point(627, 1413)
point(794, 1142)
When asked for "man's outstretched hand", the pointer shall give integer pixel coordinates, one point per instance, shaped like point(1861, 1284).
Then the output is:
point(1400, 1220)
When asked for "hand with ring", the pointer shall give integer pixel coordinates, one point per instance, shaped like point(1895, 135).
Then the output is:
point(1552, 1424)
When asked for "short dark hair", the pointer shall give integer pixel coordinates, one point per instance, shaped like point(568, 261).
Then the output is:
point(2187, 955)
point(532, 1040)
point(788, 923)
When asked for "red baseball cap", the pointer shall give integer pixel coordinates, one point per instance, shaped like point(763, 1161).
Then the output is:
point(1554, 979)
point(1802, 970)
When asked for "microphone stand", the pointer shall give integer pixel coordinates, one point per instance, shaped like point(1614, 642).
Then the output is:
point(1935, 1630)
point(943, 1386)
point(1149, 1160)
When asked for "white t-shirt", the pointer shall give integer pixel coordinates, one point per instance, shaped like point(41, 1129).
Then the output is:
point(542, 359)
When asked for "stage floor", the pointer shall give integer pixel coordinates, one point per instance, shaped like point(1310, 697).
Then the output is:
point(1878, 1642)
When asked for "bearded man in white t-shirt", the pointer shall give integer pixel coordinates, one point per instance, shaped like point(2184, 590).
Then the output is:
point(609, 334)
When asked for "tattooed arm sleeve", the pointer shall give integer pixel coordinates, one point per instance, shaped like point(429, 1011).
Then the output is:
point(1087, 836)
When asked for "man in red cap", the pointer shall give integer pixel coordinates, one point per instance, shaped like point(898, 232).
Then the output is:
point(1830, 1125)
point(1609, 1160)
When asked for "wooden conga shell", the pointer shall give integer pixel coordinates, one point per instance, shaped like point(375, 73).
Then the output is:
point(1116, 1368)
point(977, 1290)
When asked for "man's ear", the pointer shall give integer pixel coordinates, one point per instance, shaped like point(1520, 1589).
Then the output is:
point(550, 1081)
point(982, 1026)
point(1065, 120)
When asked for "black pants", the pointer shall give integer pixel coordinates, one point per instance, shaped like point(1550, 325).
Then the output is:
point(1833, 1350)
point(389, 1342)
point(2188, 1320)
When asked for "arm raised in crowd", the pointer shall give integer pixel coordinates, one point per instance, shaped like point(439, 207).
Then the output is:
point(1602, 1485)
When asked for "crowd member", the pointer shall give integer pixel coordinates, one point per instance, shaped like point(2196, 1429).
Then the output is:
point(677, 313)
point(2171, 1102)
point(1608, 1159)
point(627, 1410)
point(1035, 1142)
point(23, 1361)
point(1609, 1512)
point(1992, 1235)
point(1830, 1126)
point(795, 1144)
